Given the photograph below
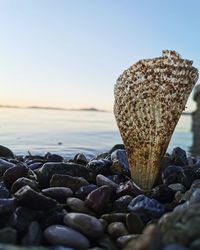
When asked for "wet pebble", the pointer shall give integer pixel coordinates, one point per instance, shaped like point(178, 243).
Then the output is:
point(123, 240)
point(83, 191)
point(34, 200)
point(63, 235)
point(4, 165)
point(77, 205)
point(98, 199)
point(99, 167)
point(6, 152)
point(121, 203)
point(120, 162)
point(68, 181)
point(102, 180)
point(86, 224)
point(163, 194)
point(23, 181)
point(177, 187)
point(117, 229)
point(179, 157)
point(128, 188)
point(54, 158)
point(58, 193)
point(80, 159)
point(134, 224)
point(173, 174)
point(114, 217)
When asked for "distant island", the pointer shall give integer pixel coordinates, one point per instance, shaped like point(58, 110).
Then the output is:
point(53, 108)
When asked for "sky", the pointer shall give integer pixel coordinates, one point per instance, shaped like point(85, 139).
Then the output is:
point(64, 53)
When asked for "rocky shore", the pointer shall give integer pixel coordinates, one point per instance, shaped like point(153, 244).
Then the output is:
point(47, 202)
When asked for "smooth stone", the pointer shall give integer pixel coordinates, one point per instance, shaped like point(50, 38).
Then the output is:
point(146, 207)
point(163, 194)
point(7, 205)
point(191, 176)
point(23, 181)
point(68, 181)
point(34, 200)
point(175, 247)
point(98, 199)
point(195, 184)
point(4, 165)
point(36, 165)
point(86, 224)
point(117, 229)
point(177, 187)
point(120, 162)
point(54, 158)
point(179, 157)
point(53, 218)
point(63, 235)
point(8, 235)
point(116, 147)
point(134, 224)
point(49, 169)
point(80, 159)
point(14, 173)
point(107, 243)
point(4, 192)
point(121, 203)
point(21, 218)
point(99, 167)
point(128, 188)
point(102, 180)
point(34, 234)
point(58, 193)
point(123, 240)
point(83, 191)
point(6, 152)
point(114, 217)
point(77, 205)
point(173, 174)
point(195, 197)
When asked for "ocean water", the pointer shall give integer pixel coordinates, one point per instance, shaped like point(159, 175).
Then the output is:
point(69, 132)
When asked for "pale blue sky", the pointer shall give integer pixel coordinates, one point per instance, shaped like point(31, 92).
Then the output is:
point(68, 53)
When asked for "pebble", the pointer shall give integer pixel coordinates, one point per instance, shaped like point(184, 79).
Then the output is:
point(34, 235)
point(173, 174)
point(49, 169)
point(86, 224)
point(74, 183)
point(77, 205)
point(7, 205)
point(4, 165)
point(114, 217)
point(6, 152)
point(58, 193)
point(102, 180)
point(120, 162)
point(163, 194)
point(99, 167)
point(123, 240)
point(32, 199)
point(8, 235)
point(195, 197)
point(4, 192)
point(179, 157)
point(128, 188)
point(83, 191)
point(98, 199)
point(54, 158)
point(117, 229)
point(146, 207)
point(177, 187)
point(63, 235)
point(14, 173)
point(80, 159)
point(23, 181)
point(121, 203)
point(134, 224)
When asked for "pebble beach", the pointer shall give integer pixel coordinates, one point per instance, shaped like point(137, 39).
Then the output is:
point(49, 202)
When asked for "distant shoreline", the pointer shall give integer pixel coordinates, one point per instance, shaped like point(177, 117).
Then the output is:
point(52, 108)
point(65, 109)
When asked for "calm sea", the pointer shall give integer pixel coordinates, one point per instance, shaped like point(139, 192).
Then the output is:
point(68, 132)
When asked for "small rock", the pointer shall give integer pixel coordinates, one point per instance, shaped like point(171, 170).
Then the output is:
point(195, 197)
point(7, 205)
point(179, 157)
point(4, 165)
point(128, 188)
point(120, 162)
point(114, 217)
point(23, 181)
point(12, 174)
point(6, 152)
point(116, 147)
point(8, 235)
point(117, 229)
point(77, 205)
point(4, 192)
point(123, 240)
point(58, 193)
point(99, 167)
point(106, 243)
point(54, 158)
point(59, 180)
point(146, 207)
point(98, 199)
point(121, 203)
point(63, 235)
point(83, 191)
point(177, 187)
point(173, 174)
point(34, 234)
point(134, 224)
point(163, 194)
point(102, 180)
point(80, 159)
point(34, 200)
point(86, 224)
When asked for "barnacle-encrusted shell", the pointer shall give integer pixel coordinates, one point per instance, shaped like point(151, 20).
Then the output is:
point(149, 99)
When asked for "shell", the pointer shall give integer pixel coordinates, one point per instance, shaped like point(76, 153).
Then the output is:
point(149, 99)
